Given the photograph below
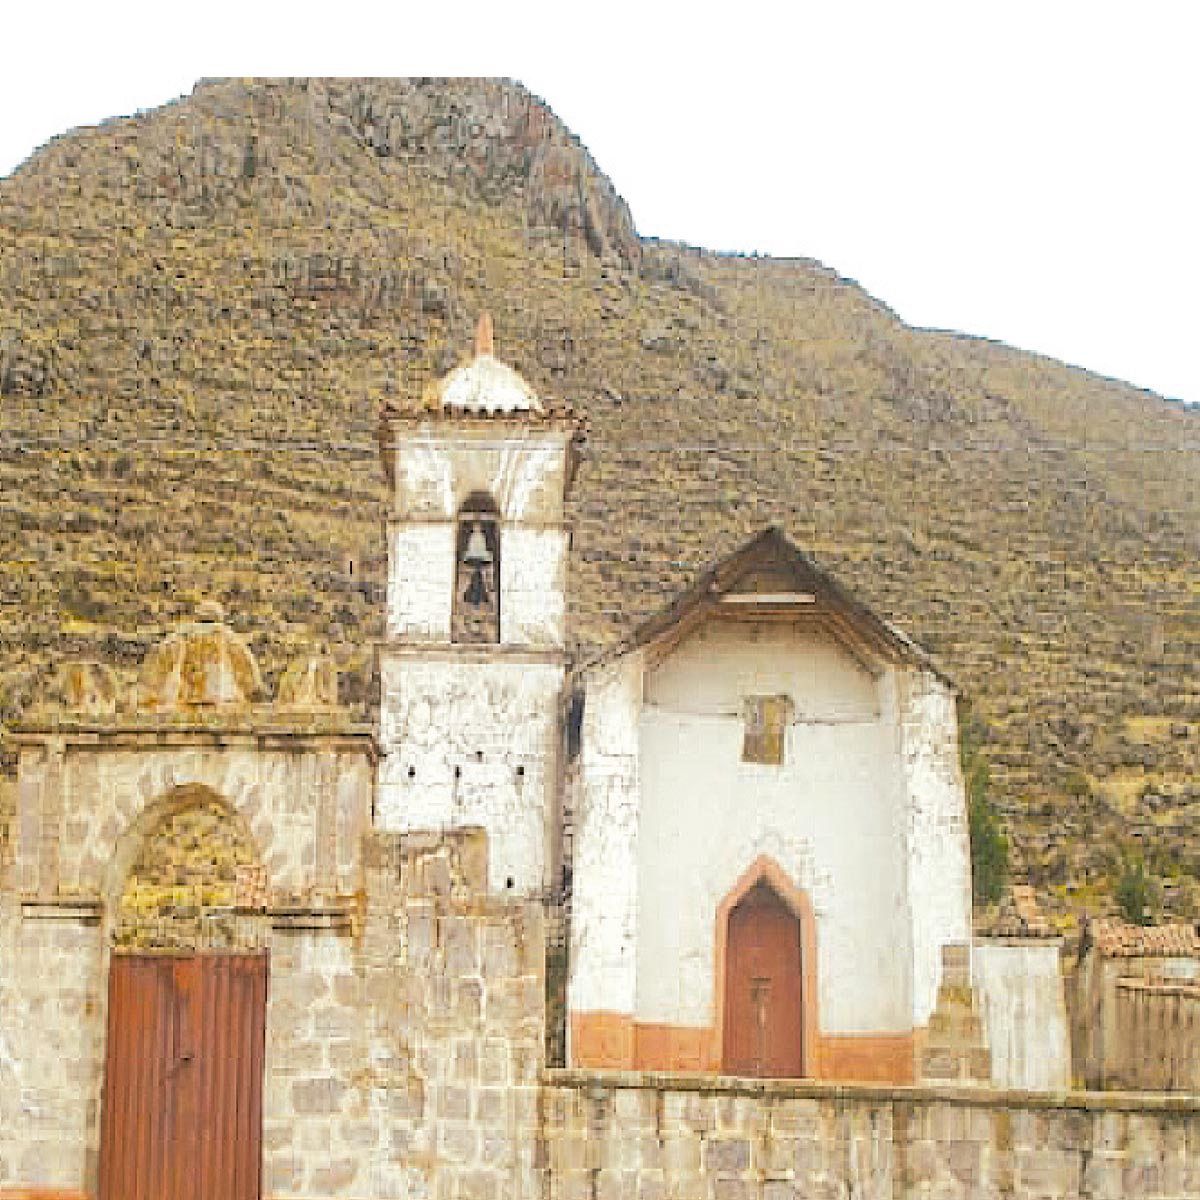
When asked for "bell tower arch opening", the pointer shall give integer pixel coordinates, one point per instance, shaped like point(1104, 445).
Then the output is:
point(475, 615)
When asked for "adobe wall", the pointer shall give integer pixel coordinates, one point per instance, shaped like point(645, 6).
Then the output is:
point(686, 1138)
point(1135, 1022)
point(1158, 1035)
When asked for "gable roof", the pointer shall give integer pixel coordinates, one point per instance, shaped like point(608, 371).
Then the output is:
point(770, 577)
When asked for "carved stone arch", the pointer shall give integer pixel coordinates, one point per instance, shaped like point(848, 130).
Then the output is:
point(197, 834)
point(475, 613)
point(765, 874)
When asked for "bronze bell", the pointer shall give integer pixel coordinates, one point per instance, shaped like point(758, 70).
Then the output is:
point(477, 552)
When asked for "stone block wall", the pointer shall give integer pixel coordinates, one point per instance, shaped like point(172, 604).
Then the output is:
point(84, 798)
point(51, 1046)
point(405, 1061)
point(684, 1138)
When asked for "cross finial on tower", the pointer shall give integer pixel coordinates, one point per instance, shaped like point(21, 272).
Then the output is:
point(483, 334)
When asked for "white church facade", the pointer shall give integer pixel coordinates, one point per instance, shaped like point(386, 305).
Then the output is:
point(759, 810)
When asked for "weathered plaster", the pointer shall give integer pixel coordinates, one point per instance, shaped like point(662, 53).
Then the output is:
point(1020, 988)
point(533, 580)
point(865, 815)
point(523, 470)
point(420, 582)
point(473, 743)
point(827, 816)
point(603, 976)
point(937, 846)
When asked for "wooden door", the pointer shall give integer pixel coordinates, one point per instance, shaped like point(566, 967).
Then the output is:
point(182, 1116)
point(764, 990)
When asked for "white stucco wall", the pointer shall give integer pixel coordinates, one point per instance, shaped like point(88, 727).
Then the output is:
point(470, 735)
point(1020, 987)
point(487, 717)
point(436, 467)
point(829, 816)
point(935, 833)
point(420, 581)
point(533, 582)
point(604, 900)
point(533, 568)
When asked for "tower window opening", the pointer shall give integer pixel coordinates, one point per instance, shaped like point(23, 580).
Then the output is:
point(476, 610)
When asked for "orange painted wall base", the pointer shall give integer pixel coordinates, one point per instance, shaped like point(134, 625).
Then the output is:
point(603, 1040)
point(20, 1193)
point(868, 1058)
point(615, 1042)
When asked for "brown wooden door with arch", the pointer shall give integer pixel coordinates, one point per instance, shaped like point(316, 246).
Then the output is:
point(764, 989)
point(182, 1115)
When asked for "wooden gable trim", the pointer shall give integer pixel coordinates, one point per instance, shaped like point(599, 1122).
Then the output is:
point(867, 637)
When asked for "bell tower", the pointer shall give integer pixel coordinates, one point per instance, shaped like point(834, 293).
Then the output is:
point(473, 661)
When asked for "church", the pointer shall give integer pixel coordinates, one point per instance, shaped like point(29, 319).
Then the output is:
point(733, 844)
point(755, 798)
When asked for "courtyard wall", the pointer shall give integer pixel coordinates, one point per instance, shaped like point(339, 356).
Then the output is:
point(677, 1137)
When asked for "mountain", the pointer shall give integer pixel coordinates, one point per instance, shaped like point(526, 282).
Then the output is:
point(202, 308)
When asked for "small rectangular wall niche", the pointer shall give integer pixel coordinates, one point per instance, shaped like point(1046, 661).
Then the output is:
point(765, 735)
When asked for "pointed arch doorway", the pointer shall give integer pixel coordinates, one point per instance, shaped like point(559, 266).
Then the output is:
point(768, 969)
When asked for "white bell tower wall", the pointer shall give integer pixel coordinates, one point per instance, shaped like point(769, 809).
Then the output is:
point(470, 731)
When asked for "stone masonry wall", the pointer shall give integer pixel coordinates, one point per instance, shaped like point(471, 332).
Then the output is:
point(51, 1043)
point(404, 1061)
point(608, 1135)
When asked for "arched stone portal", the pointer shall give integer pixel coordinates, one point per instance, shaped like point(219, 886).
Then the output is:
point(187, 993)
point(193, 862)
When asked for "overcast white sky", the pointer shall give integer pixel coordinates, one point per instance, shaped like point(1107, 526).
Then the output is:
point(1023, 171)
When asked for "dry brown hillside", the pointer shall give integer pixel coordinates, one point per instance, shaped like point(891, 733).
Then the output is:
point(202, 307)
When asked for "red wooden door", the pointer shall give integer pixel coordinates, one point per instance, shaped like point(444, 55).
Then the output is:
point(764, 991)
point(182, 1115)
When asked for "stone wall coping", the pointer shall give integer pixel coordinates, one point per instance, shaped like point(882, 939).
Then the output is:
point(473, 652)
point(150, 734)
point(813, 1089)
point(1054, 940)
point(85, 909)
point(1189, 989)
